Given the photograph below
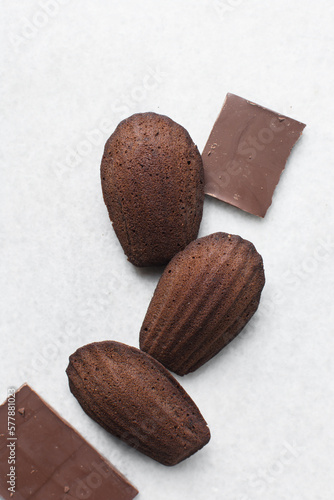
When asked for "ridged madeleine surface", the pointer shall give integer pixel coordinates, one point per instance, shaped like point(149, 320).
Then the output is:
point(135, 398)
point(153, 185)
point(206, 295)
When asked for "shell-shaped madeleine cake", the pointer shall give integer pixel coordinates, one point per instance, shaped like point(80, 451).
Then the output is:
point(206, 295)
point(135, 398)
point(153, 186)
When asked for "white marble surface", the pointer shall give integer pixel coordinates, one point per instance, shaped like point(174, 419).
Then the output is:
point(68, 77)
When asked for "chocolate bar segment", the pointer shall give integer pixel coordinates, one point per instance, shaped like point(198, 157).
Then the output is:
point(52, 461)
point(246, 153)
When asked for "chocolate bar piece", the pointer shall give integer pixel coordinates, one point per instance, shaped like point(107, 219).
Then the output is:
point(42, 457)
point(246, 153)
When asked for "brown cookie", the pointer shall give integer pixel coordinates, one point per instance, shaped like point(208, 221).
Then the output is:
point(153, 185)
point(135, 398)
point(206, 295)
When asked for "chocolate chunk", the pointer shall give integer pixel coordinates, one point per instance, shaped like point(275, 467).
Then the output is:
point(52, 460)
point(246, 153)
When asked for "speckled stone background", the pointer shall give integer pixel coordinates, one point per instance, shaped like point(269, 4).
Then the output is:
point(70, 71)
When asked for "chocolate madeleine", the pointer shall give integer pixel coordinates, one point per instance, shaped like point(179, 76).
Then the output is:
point(135, 398)
point(153, 186)
point(206, 295)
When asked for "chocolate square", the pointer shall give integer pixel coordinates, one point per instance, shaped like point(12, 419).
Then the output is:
point(246, 153)
point(52, 461)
